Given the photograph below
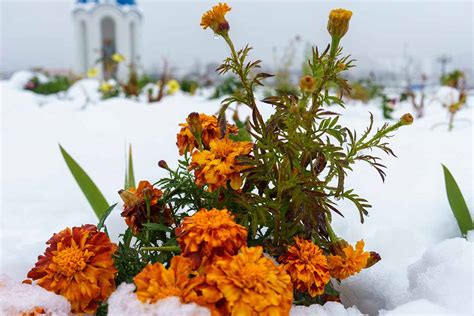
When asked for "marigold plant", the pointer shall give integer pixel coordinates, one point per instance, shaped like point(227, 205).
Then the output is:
point(242, 196)
point(78, 265)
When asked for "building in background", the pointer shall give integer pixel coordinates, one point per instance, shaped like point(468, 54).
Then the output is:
point(103, 28)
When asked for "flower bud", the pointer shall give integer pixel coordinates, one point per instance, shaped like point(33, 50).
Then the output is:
point(337, 247)
point(163, 164)
point(338, 22)
point(195, 125)
point(406, 119)
point(147, 193)
point(129, 198)
point(373, 259)
point(307, 84)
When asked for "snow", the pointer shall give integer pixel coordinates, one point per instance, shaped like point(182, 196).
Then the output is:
point(124, 302)
point(328, 309)
point(17, 298)
point(445, 266)
point(425, 266)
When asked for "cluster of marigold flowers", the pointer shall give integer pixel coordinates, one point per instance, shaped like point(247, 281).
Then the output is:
point(214, 156)
point(217, 270)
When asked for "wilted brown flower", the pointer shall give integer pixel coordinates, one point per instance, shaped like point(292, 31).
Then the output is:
point(134, 208)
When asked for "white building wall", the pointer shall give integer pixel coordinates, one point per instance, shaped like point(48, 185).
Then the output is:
point(93, 17)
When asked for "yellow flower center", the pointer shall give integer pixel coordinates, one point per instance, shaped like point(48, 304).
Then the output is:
point(70, 261)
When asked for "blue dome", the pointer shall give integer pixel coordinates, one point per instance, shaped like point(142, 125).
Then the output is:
point(129, 2)
point(118, 2)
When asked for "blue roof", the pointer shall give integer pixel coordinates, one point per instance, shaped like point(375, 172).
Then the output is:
point(118, 2)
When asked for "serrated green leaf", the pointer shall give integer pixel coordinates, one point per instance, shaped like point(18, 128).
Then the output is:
point(93, 195)
point(457, 203)
point(104, 217)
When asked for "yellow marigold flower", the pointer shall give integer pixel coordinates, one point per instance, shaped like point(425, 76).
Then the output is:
point(252, 284)
point(106, 87)
point(173, 86)
point(307, 84)
point(307, 267)
point(78, 265)
point(215, 19)
point(209, 130)
point(118, 58)
point(349, 261)
point(134, 208)
point(92, 73)
point(210, 233)
point(218, 165)
point(338, 22)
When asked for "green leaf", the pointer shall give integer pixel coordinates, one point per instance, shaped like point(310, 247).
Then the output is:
point(94, 196)
point(104, 217)
point(157, 226)
point(129, 174)
point(457, 203)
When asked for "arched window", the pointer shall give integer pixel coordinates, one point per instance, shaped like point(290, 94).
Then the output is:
point(109, 46)
point(83, 46)
point(133, 43)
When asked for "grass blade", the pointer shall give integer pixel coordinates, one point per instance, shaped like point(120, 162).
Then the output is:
point(93, 195)
point(104, 217)
point(457, 203)
point(129, 174)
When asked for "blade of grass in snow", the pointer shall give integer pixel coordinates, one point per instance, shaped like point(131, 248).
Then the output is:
point(94, 196)
point(457, 203)
point(129, 174)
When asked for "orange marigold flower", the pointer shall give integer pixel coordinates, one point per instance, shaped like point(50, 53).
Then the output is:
point(155, 282)
point(134, 208)
point(215, 19)
point(78, 265)
point(307, 267)
point(209, 130)
point(349, 261)
point(218, 165)
point(252, 284)
point(210, 233)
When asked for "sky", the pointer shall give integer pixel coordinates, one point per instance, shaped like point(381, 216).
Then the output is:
point(383, 34)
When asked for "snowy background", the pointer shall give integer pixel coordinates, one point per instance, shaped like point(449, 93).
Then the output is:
point(425, 267)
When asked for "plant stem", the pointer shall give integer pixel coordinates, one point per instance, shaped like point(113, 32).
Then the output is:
point(162, 248)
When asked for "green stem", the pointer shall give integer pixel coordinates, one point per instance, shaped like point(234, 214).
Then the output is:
point(243, 79)
point(334, 45)
point(148, 215)
point(162, 248)
point(331, 233)
point(451, 121)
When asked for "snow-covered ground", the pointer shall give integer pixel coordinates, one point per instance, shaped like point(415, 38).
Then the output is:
point(425, 267)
